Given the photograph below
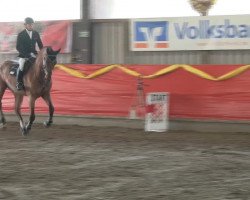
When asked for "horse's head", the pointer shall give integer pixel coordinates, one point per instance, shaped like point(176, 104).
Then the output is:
point(49, 60)
point(52, 55)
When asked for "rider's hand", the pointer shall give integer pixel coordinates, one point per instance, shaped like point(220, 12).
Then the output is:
point(32, 55)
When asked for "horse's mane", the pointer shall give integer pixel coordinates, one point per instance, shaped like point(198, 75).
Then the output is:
point(46, 50)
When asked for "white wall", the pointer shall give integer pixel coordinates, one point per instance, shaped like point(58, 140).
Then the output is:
point(17, 10)
point(118, 9)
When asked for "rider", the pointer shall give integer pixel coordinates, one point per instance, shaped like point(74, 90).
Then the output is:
point(26, 47)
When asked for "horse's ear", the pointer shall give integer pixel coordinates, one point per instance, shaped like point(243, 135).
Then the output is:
point(58, 51)
point(49, 50)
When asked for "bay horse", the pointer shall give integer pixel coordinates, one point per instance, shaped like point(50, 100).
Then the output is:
point(37, 82)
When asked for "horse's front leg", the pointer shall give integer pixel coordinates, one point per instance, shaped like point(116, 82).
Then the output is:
point(18, 103)
point(48, 101)
point(2, 90)
point(2, 118)
point(32, 113)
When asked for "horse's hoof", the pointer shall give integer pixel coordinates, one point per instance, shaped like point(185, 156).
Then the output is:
point(28, 127)
point(3, 125)
point(47, 123)
point(24, 131)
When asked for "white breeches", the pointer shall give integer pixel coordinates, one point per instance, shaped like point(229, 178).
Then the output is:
point(21, 63)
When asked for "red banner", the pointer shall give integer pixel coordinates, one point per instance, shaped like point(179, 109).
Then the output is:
point(53, 33)
point(107, 91)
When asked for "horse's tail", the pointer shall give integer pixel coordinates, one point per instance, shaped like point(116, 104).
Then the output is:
point(5, 71)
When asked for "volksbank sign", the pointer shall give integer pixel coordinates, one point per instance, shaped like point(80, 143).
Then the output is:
point(191, 33)
point(206, 30)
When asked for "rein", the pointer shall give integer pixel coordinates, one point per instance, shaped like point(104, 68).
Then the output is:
point(44, 68)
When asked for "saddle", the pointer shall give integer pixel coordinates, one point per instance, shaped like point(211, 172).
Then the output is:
point(27, 65)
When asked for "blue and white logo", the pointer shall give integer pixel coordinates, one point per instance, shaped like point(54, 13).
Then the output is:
point(151, 34)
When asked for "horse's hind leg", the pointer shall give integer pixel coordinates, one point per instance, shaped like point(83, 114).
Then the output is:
point(48, 101)
point(3, 87)
point(18, 103)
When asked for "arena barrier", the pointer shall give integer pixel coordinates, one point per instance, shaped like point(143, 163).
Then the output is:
point(195, 92)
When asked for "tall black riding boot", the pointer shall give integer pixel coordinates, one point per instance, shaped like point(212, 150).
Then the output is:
point(19, 79)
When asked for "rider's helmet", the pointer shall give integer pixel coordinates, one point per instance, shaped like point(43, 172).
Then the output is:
point(28, 20)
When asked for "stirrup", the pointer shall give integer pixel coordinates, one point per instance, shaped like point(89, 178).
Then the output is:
point(19, 86)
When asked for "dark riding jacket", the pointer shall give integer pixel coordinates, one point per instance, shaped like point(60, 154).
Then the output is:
point(26, 45)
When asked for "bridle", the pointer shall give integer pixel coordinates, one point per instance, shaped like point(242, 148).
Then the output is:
point(48, 58)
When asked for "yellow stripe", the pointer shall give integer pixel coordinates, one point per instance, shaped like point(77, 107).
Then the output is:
point(166, 70)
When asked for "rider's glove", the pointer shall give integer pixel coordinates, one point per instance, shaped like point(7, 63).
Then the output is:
point(32, 55)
